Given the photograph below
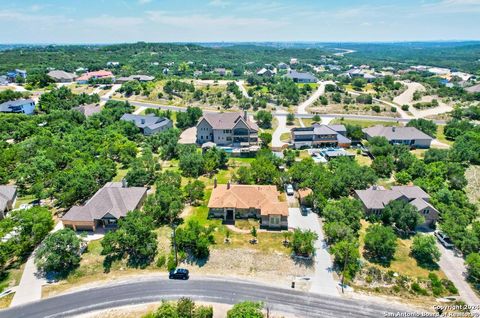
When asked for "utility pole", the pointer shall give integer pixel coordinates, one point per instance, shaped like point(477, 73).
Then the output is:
point(344, 267)
point(175, 243)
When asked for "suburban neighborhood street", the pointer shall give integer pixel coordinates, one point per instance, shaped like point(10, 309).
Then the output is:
point(302, 108)
point(281, 128)
point(140, 291)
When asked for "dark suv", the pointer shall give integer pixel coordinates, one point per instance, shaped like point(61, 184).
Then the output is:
point(178, 273)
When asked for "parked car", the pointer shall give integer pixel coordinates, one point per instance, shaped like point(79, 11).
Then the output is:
point(305, 210)
point(289, 189)
point(179, 273)
point(444, 239)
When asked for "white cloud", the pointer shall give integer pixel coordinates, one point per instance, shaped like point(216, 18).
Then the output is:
point(144, 1)
point(111, 22)
point(202, 21)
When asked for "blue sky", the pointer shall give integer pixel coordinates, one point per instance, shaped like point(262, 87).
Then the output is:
point(108, 21)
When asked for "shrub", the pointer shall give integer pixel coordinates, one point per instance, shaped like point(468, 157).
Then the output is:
point(416, 288)
point(405, 107)
point(161, 260)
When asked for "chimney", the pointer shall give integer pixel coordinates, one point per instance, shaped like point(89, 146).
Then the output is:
point(124, 183)
point(228, 185)
point(394, 128)
point(375, 187)
point(245, 114)
point(214, 183)
point(142, 121)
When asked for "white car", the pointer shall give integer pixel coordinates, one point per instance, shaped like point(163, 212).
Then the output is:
point(289, 189)
point(444, 239)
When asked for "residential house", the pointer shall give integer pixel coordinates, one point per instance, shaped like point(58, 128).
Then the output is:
point(409, 136)
point(140, 78)
point(106, 207)
point(148, 124)
point(282, 66)
point(84, 78)
point(227, 129)
point(88, 109)
point(319, 135)
point(234, 201)
point(62, 76)
point(266, 72)
point(221, 71)
point(113, 64)
point(12, 75)
point(8, 196)
point(293, 61)
point(20, 106)
point(301, 77)
point(375, 198)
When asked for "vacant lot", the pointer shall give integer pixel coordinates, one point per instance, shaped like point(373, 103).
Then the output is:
point(473, 187)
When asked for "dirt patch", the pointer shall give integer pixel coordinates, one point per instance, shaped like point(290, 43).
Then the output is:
point(271, 268)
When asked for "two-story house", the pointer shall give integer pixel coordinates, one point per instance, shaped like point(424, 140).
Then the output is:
point(227, 129)
point(319, 135)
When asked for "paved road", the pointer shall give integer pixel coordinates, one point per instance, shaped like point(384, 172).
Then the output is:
point(454, 267)
point(302, 108)
point(283, 113)
point(205, 289)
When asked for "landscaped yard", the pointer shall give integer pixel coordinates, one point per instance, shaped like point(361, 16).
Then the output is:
point(403, 263)
point(441, 136)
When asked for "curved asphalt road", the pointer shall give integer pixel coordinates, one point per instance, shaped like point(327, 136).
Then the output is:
point(206, 289)
point(346, 116)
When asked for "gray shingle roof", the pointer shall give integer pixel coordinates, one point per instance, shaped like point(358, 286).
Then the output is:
point(396, 133)
point(112, 199)
point(89, 109)
point(59, 75)
point(294, 75)
point(143, 121)
point(7, 106)
point(227, 120)
point(377, 198)
point(7, 193)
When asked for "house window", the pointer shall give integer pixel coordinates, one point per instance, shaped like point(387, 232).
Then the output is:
point(426, 211)
point(274, 220)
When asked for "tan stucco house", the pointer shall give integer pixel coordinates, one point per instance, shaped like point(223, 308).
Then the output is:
point(234, 201)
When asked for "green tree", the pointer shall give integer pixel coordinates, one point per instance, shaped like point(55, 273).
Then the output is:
point(243, 175)
point(266, 139)
point(135, 238)
point(59, 252)
point(383, 166)
point(195, 239)
point(403, 177)
point(427, 126)
point(246, 309)
point(303, 242)
point(194, 191)
point(425, 251)
point(473, 267)
point(346, 258)
point(380, 244)
point(264, 119)
point(379, 146)
point(402, 215)
point(290, 118)
point(192, 164)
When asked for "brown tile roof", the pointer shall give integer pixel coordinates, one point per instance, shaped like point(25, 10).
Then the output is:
point(227, 120)
point(111, 199)
point(263, 197)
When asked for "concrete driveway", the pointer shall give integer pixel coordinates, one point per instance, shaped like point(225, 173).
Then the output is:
point(281, 128)
point(322, 281)
point(454, 268)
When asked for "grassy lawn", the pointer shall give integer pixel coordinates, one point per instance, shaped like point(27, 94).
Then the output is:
point(364, 123)
point(285, 137)
point(419, 153)
point(5, 301)
point(11, 278)
point(121, 173)
point(402, 262)
point(441, 136)
point(314, 86)
point(27, 199)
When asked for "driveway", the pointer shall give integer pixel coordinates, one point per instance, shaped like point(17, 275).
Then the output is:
point(454, 268)
point(322, 282)
point(242, 88)
point(281, 128)
point(30, 287)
